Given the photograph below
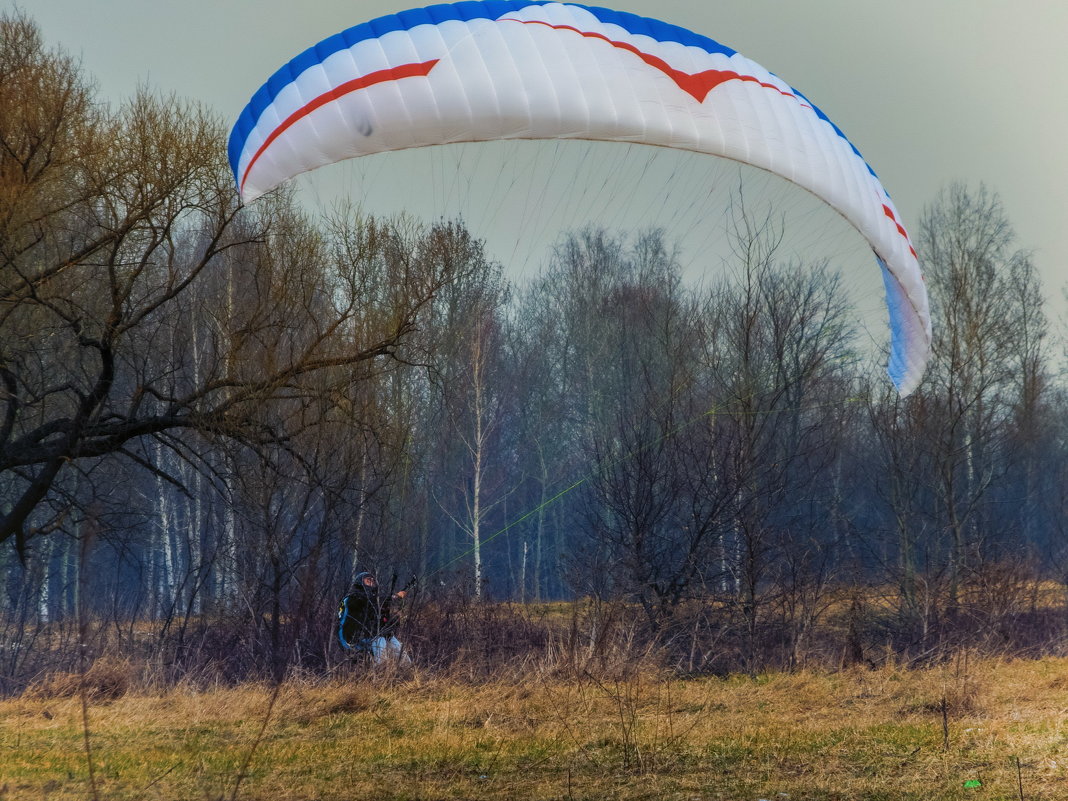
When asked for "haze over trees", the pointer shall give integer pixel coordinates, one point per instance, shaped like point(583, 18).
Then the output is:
point(212, 415)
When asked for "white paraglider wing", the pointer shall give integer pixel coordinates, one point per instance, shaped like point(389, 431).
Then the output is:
point(480, 71)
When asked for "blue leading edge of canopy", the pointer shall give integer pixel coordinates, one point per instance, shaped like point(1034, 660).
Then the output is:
point(464, 12)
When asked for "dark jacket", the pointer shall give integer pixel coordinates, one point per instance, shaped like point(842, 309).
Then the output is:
point(363, 615)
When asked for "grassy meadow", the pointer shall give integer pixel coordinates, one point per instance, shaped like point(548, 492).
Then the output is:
point(884, 734)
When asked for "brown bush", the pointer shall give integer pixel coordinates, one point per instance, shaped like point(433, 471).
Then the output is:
point(107, 679)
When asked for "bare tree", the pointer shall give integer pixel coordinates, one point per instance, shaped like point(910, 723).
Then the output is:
point(653, 509)
point(562, 351)
point(468, 373)
point(122, 243)
point(984, 364)
point(779, 338)
point(899, 472)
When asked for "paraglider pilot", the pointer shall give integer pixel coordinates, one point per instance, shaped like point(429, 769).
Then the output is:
point(366, 622)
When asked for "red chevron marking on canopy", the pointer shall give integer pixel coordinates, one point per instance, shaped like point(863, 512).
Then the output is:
point(900, 228)
point(697, 85)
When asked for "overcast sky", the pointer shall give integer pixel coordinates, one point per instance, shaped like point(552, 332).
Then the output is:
point(930, 91)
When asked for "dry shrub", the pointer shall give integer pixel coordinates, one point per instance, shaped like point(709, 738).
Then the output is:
point(459, 635)
point(963, 689)
point(107, 679)
point(954, 690)
point(956, 701)
point(963, 700)
point(341, 699)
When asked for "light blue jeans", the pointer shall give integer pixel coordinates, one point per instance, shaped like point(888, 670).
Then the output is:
point(385, 649)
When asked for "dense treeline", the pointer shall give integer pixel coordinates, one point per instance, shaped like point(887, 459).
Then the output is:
point(211, 416)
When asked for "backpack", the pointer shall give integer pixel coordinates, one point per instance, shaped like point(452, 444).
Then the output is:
point(350, 625)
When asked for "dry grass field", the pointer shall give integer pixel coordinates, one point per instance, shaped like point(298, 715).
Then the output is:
point(885, 735)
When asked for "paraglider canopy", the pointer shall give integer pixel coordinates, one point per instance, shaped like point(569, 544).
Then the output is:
point(529, 69)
